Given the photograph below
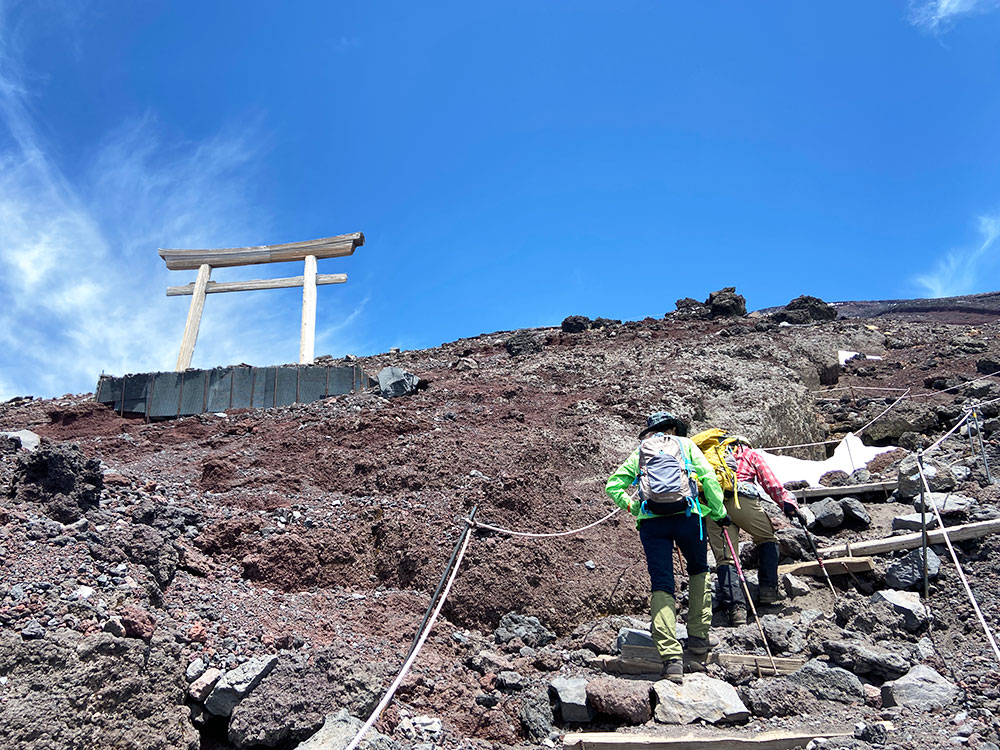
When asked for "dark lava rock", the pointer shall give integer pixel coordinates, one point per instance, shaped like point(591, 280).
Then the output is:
point(529, 629)
point(59, 478)
point(291, 702)
point(536, 716)
point(805, 309)
point(908, 571)
point(522, 343)
point(855, 512)
point(988, 366)
point(692, 309)
point(776, 697)
point(828, 683)
point(835, 478)
point(726, 303)
point(576, 324)
point(627, 700)
point(605, 322)
point(394, 382)
point(864, 658)
point(58, 685)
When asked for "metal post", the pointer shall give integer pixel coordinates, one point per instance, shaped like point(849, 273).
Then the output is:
point(923, 520)
point(982, 446)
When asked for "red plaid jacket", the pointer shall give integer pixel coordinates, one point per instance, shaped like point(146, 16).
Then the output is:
point(750, 467)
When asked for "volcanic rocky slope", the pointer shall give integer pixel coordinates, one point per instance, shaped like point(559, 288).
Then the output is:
point(292, 552)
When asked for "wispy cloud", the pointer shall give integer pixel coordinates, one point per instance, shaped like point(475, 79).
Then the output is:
point(939, 15)
point(81, 283)
point(963, 271)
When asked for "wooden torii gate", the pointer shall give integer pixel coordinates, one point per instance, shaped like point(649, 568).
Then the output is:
point(205, 260)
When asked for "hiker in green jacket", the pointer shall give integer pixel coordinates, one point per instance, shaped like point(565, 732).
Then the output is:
point(668, 512)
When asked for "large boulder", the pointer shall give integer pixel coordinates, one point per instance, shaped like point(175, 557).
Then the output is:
point(692, 309)
point(237, 683)
point(576, 324)
point(865, 658)
point(921, 688)
point(56, 687)
point(940, 477)
point(293, 700)
point(536, 716)
point(907, 604)
point(948, 504)
point(394, 382)
point(339, 728)
point(776, 697)
point(908, 417)
point(726, 303)
point(529, 629)
point(60, 478)
point(627, 700)
point(908, 571)
point(522, 343)
point(571, 698)
point(782, 634)
point(805, 309)
point(828, 512)
point(700, 697)
point(828, 683)
point(855, 512)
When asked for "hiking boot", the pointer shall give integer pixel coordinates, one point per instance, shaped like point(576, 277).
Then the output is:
point(700, 646)
point(673, 670)
point(695, 663)
point(769, 595)
point(737, 617)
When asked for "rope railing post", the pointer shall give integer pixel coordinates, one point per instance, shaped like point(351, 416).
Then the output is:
point(415, 651)
point(444, 577)
point(958, 567)
point(923, 524)
point(982, 443)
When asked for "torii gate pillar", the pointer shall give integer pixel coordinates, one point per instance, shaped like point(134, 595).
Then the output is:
point(205, 260)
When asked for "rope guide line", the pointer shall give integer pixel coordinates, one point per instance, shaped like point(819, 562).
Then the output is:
point(415, 650)
point(451, 570)
point(958, 565)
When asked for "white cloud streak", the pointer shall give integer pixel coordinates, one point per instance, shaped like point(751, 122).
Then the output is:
point(83, 289)
point(964, 271)
point(938, 15)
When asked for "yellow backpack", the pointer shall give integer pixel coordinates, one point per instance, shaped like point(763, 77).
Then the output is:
point(714, 443)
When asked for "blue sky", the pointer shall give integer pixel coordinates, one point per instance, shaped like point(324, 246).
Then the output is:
point(510, 163)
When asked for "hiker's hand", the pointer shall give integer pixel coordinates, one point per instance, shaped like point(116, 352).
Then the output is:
point(801, 515)
point(791, 509)
point(724, 522)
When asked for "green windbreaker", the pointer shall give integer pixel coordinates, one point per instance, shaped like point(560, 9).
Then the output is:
point(623, 477)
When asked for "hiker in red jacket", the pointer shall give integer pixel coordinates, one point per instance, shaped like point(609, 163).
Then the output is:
point(752, 475)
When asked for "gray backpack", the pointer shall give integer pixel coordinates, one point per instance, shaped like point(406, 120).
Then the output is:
point(666, 482)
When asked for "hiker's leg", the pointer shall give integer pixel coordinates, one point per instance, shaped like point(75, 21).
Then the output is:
point(691, 542)
point(756, 523)
point(659, 548)
point(728, 592)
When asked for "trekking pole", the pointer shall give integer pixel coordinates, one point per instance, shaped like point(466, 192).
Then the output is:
point(746, 592)
point(812, 546)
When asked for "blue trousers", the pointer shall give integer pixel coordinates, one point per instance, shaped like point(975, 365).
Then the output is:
point(659, 535)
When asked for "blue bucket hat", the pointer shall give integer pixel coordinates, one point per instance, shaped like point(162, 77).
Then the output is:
point(664, 420)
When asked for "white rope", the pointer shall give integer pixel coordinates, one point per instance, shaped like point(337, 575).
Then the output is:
point(857, 388)
point(952, 388)
point(888, 409)
point(954, 558)
point(800, 445)
point(937, 443)
point(416, 650)
point(488, 527)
